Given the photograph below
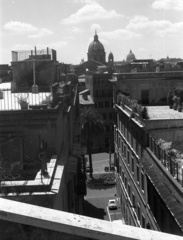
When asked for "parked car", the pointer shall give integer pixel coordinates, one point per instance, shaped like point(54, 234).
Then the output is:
point(112, 204)
point(110, 181)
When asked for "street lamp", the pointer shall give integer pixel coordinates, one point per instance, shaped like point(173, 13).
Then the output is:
point(34, 86)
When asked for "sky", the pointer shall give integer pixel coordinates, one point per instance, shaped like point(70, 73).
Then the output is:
point(150, 28)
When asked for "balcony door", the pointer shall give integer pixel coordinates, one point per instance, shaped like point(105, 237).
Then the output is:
point(145, 97)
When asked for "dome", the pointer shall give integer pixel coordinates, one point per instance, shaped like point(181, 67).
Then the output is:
point(130, 57)
point(96, 45)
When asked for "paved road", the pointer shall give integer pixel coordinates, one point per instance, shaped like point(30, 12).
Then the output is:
point(100, 161)
point(98, 194)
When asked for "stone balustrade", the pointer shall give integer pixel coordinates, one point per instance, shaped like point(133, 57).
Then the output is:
point(68, 226)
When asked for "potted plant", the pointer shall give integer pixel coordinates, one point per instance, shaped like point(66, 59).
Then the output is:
point(170, 99)
point(23, 102)
point(176, 102)
point(180, 100)
point(179, 107)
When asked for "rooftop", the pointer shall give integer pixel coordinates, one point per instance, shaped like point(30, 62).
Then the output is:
point(163, 112)
point(145, 75)
point(10, 101)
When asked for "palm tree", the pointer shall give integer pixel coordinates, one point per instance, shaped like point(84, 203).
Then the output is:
point(91, 126)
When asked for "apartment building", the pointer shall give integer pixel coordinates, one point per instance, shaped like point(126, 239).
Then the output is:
point(148, 87)
point(44, 139)
point(149, 179)
point(101, 93)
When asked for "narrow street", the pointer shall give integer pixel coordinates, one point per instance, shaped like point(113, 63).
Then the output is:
point(96, 200)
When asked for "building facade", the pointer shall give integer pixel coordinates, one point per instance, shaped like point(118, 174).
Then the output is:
point(149, 182)
point(101, 93)
point(148, 87)
point(38, 67)
point(32, 137)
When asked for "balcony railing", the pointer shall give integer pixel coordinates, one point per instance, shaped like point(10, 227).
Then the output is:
point(174, 166)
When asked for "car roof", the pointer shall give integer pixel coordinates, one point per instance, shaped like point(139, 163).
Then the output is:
point(112, 200)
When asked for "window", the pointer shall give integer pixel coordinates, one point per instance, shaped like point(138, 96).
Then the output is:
point(137, 173)
point(125, 152)
point(137, 146)
point(123, 129)
point(143, 221)
point(110, 117)
point(120, 124)
point(119, 168)
point(125, 132)
point(128, 158)
point(123, 176)
point(125, 182)
point(133, 166)
point(129, 138)
point(133, 199)
point(122, 147)
point(104, 116)
point(138, 211)
point(132, 145)
point(106, 104)
point(142, 181)
point(100, 104)
point(129, 190)
point(107, 128)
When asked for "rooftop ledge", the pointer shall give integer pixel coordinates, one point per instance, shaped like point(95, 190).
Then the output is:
point(41, 183)
point(77, 225)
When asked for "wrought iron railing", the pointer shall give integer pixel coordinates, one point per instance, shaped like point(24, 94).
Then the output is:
point(172, 164)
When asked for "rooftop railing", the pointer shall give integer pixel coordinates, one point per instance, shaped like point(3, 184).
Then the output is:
point(14, 101)
point(173, 165)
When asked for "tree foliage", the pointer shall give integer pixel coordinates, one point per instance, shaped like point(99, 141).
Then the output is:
point(92, 126)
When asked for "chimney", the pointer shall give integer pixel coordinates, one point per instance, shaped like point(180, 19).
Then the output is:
point(35, 51)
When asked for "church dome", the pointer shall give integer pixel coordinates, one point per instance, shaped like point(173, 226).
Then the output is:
point(130, 57)
point(96, 45)
point(96, 52)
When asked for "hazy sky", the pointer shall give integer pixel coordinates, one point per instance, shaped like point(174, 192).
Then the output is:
point(150, 28)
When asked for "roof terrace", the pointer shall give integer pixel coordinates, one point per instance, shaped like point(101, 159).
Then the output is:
point(163, 112)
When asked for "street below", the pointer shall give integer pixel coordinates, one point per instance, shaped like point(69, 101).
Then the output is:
point(98, 194)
